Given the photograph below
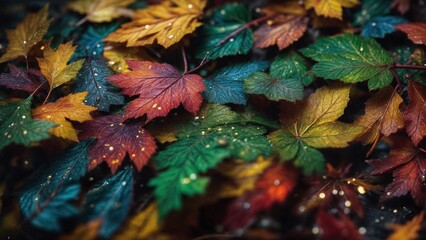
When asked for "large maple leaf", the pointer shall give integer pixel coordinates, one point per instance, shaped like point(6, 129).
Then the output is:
point(408, 166)
point(160, 88)
point(69, 107)
point(415, 114)
point(164, 23)
point(114, 139)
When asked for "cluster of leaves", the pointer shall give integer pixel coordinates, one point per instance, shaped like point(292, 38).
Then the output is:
point(272, 105)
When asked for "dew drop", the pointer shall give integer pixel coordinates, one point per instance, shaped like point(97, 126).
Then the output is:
point(348, 203)
point(246, 205)
point(170, 36)
point(322, 195)
point(190, 6)
point(111, 148)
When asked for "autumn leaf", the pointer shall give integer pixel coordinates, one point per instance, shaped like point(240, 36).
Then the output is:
point(401, 5)
point(160, 88)
point(382, 116)
point(54, 65)
point(312, 124)
point(17, 125)
point(378, 27)
point(100, 10)
point(27, 34)
point(84, 232)
point(118, 55)
point(166, 23)
point(116, 138)
point(408, 166)
point(330, 8)
point(19, 80)
point(416, 31)
point(341, 228)
point(282, 30)
point(70, 107)
point(408, 230)
point(415, 113)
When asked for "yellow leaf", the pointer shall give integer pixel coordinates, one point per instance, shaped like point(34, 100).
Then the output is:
point(314, 120)
point(330, 8)
point(164, 23)
point(88, 231)
point(54, 65)
point(117, 56)
point(382, 115)
point(100, 10)
point(69, 107)
point(27, 34)
point(407, 231)
point(141, 226)
point(292, 7)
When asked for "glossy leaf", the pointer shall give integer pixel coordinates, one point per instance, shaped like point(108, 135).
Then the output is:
point(99, 11)
point(378, 27)
point(351, 59)
point(92, 78)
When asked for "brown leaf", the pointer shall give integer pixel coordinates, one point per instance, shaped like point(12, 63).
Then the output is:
point(416, 31)
point(415, 114)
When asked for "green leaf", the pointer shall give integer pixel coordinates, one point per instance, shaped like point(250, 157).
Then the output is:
point(17, 125)
point(351, 59)
point(274, 88)
point(222, 23)
point(370, 9)
point(291, 65)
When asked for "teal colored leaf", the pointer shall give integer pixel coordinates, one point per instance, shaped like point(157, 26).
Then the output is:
point(291, 65)
point(308, 158)
point(227, 85)
point(62, 28)
point(351, 59)
point(109, 201)
point(92, 78)
point(219, 26)
point(274, 88)
point(17, 125)
point(91, 44)
point(378, 27)
point(46, 196)
point(371, 9)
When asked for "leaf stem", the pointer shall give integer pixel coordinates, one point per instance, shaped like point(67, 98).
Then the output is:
point(48, 95)
point(405, 66)
point(185, 61)
point(79, 23)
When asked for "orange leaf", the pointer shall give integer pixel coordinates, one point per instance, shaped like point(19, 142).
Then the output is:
point(416, 31)
point(407, 231)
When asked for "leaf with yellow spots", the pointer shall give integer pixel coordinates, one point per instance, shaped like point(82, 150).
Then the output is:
point(330, 8)
point(100, 10)
point(166, 23)
point(409, 230)
point(70, 107)
point(27, 34)
point(115, 138)
point(54, 65)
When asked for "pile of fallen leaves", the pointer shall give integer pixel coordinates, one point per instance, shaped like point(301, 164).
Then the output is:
point(181, 119)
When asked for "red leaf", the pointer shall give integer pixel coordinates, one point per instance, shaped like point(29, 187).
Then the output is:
point(341, 228)
point(114, 139)
point(160, 88)
point(272, 187)
point(18, 79)
point(415, 114)
point(416, 31)
point(401, 5)
point(282, 30)
point(408, 166)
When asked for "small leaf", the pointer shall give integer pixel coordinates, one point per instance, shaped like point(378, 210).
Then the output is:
point(408, 230)
point(291, 65)
point(330, 8)
point(415, 113)
point(227, 84)
point(99, 11)
point(351, 59)
point(109, 201)
point(416, 31)
point(93, 78)
point(70, 107)
point(116, 138)
point(378, 27)
point(27, 34)
point(17, 125)
point(165, 23)
point(160, 88)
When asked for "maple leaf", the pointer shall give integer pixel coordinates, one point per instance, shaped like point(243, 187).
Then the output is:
point(227, 84)
point(100, 10)
point(282, 30)
point(351, 59)
point(415, 113)
point(27, 34)
point(18, 79)
point(382, 116)
point(166, 23)
point(69, 107)
point(118, 55)
point(342, 228)
point(114, 139)
point(17, 125)
point(291, 65)
point(54, 65)
point(160, 88)
point(335, 189)
point(92, 78)
point(408, 166)
point(273, 186)
point(416, 31)
point(312, 124)
point(109, 201)
point(408, 230)
point(330, 8)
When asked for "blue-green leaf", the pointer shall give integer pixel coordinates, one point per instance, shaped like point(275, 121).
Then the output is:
point(371, 9)
point(91, 44)
point(291, 65)
point(378, 27)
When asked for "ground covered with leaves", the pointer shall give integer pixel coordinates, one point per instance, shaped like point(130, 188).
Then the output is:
point(181, 119)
